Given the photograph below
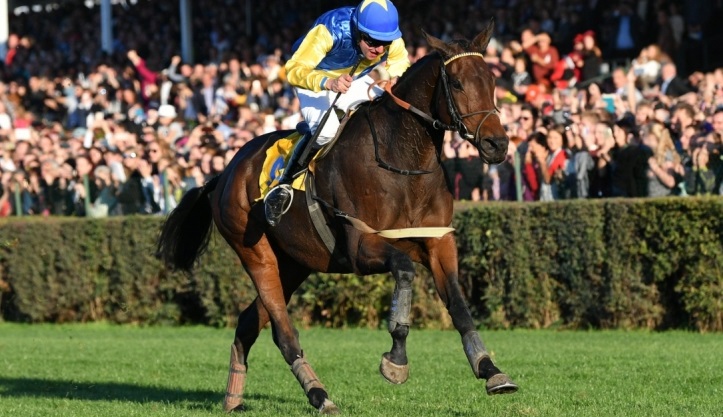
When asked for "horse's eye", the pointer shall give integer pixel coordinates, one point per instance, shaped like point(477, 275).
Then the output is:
point(455, 84)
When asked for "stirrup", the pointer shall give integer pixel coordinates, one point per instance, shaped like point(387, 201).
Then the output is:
point(277, 202)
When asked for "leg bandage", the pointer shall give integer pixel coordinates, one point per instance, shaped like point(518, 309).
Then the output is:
point(474, 349)
point(305, 375)
point(235, 383)
point(401, 308)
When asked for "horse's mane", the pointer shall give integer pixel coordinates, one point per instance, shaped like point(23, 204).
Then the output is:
point(417, 66)
point(409, 74)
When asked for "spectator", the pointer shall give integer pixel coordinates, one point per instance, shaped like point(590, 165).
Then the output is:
point(601, 152)
point(146, 77)
point(130, 196)
point(544, 58)
point(63, 105)
point(567, 72)
point(51, 188)
point(527, 120)
point(629, 161)
point(557, 161)
point(521, 79)
point(704, 170)
point(592, 57)
point(105, 200)
point(582, 162)
point(646, 66)
point(670, 84)
point(535, 175)
point(624, 86)
point(168, 130)
point(683, 117)
point(6, 122)
point(624, 41)
point(664, 164)
point(468, 181)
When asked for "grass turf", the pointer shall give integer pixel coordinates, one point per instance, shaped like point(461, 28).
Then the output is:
point(105, 370)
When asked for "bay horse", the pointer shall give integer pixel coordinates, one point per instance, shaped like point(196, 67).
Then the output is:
point(383, 173)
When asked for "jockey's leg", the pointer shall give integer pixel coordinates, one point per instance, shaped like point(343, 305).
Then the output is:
point(313, 107)
point(278, 200)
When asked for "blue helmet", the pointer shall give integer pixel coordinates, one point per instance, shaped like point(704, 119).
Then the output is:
point(378, 19)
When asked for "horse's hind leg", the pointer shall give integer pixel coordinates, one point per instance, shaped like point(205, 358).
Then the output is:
point(275, 280)
point(250, 323)
point(443, 264)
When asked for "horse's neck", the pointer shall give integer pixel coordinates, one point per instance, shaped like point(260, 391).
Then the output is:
point(412, 136)
point(404, 140)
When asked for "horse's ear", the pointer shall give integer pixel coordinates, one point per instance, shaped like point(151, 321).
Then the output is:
point(484, 37)
point(438, 45)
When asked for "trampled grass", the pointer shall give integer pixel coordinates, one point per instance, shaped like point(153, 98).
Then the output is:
point(104, 370)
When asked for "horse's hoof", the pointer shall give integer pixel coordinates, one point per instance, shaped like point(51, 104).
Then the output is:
point(230, 408)
point(396, 374)
point(328, 408)
point(501, 384)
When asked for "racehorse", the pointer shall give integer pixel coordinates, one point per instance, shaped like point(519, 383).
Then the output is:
point(383, 173)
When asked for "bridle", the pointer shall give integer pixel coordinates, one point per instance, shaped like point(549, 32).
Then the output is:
point(457, 119)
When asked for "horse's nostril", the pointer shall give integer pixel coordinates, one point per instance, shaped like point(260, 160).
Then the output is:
point(494, 143)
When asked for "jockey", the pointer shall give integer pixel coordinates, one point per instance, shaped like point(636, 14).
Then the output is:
point(363, 36)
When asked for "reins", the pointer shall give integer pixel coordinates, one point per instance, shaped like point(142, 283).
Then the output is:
point(457, 119)
point(385, 165)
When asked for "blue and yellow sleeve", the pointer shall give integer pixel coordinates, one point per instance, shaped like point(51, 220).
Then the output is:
point(398, 58)
point(301, 68)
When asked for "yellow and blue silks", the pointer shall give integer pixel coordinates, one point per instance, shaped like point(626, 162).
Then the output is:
point(277, 156)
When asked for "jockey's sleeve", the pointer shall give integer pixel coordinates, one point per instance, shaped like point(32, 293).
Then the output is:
point(301, 68)
point(398, 59)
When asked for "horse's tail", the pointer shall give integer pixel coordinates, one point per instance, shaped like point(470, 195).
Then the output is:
point(187, 229)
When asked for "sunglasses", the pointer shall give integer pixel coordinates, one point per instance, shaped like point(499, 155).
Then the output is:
point(373, 43)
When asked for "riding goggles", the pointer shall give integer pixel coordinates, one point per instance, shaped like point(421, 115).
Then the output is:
point(373, 43)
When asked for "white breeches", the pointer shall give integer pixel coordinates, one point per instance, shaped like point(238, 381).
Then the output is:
point(314, 105)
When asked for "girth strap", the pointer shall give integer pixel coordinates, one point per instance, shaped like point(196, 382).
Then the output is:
point(319, 221)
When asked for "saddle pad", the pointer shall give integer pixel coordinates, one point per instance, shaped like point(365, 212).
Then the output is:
point(276, 158)
point(279, 153)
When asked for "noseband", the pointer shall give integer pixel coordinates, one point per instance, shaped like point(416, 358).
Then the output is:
point(457, 119)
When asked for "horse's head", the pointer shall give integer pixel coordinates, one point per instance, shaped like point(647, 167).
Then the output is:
point(466, 103)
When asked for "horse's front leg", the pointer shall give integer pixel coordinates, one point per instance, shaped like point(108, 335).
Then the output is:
point(443, 264)
point(377, 255)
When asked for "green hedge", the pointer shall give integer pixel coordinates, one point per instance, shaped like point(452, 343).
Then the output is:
point(603, 264)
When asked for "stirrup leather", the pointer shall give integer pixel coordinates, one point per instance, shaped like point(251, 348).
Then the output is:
point(277, 202)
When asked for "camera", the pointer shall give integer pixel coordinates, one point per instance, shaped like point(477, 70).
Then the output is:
point(208, 140)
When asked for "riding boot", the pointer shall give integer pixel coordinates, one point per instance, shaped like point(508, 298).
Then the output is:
point(278, 200)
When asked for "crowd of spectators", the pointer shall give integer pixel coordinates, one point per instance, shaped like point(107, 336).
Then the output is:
point(600, 99)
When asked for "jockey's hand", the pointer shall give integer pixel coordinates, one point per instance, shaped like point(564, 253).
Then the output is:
point(340, 85)
point(393, 81)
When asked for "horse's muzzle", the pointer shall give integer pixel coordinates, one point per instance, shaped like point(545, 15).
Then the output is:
point(493, 150)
